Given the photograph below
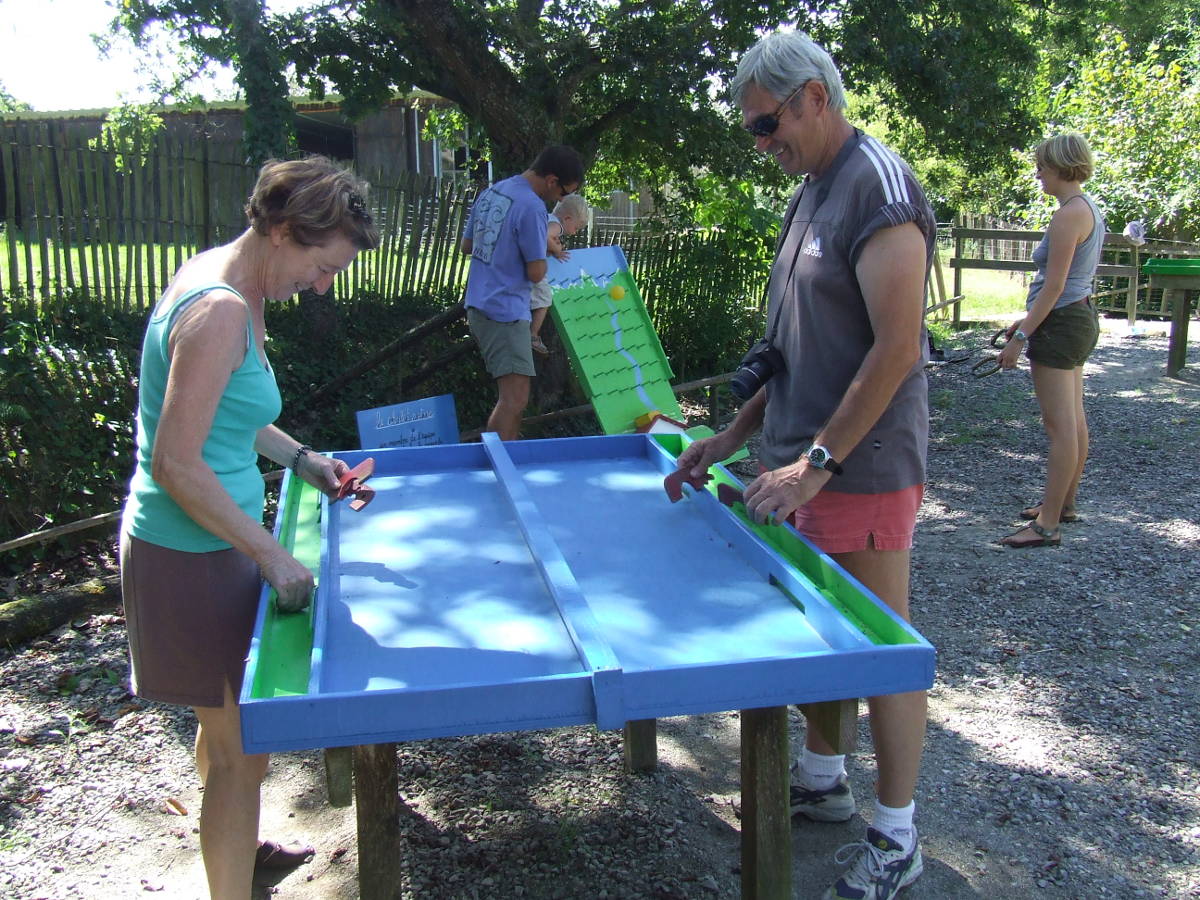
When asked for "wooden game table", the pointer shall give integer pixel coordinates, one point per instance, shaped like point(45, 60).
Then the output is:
point(538, 584)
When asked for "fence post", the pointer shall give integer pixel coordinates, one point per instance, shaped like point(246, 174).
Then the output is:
point(956, 317)
point(1131, 296)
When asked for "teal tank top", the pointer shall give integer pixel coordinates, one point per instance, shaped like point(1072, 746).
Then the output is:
point(251, 401)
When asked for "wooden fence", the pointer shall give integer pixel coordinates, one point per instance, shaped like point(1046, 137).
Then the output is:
point(73, 222)
point(1119, 286)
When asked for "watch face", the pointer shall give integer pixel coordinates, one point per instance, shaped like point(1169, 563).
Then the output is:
point(817, 456)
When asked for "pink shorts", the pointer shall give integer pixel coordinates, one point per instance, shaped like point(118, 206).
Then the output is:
point(838, 522)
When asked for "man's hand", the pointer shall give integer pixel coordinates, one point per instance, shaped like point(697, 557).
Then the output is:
point(775, 495)
point(702, 454)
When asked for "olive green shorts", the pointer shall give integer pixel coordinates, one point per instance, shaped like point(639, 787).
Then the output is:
point(505, 346)
point(1067, 337)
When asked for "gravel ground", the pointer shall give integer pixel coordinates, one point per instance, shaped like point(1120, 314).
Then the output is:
point(1062, 757)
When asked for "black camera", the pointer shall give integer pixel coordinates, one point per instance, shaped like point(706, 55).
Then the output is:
point(756, 368)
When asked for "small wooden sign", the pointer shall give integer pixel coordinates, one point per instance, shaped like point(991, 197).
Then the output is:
point(417, 423)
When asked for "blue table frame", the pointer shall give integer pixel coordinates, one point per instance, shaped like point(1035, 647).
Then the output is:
point(514, 586)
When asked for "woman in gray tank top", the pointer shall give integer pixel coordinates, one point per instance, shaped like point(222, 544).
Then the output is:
point(1061, 328)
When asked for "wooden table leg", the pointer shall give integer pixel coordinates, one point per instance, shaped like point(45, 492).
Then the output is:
point(641, 745)
point(377, 798)
point(836, 721)
point(766, 818)
point(339, 775)
point(1181, 302)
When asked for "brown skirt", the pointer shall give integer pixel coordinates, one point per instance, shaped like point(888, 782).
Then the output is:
point(189, 617)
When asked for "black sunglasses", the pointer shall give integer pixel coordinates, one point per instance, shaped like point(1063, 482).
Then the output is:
point(766, 125)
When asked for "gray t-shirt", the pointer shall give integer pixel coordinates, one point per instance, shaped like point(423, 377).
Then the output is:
point(823, 329)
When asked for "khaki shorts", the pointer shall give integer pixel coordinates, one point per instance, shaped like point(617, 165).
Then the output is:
point(505, 346)
point(1067, 337)
point(541, 295)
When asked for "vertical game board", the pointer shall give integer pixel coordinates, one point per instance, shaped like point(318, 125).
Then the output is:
point(610, 339)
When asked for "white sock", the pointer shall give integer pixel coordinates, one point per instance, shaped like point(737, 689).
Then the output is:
point(896, 823)
point(820, 773)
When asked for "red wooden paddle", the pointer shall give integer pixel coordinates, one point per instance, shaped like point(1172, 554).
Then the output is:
point(673, 483)
point(729, 495)
point(352, 483)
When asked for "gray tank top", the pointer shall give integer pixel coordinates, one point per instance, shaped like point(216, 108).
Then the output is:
point(1083, 263)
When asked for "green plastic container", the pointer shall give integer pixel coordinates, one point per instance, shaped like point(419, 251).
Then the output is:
point(1171, 266)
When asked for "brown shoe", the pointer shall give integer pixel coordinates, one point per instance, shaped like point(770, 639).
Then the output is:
point(273, 855)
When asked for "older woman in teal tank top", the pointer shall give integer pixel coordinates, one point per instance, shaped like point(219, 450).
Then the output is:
point(194, 550)
point(1059, 331)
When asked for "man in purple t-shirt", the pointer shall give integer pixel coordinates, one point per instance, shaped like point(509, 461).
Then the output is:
point(505, 235)
point(844, 415)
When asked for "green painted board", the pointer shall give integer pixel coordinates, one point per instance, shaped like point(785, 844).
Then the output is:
point(286, 647)
point(610, 340)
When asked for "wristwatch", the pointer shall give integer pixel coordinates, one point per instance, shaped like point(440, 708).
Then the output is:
point(819, 458)
point(1021, 336)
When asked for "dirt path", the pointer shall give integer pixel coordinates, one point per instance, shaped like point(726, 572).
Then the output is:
point(1061, 757)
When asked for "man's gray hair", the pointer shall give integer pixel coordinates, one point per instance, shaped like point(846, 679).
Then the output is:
point(783, 61)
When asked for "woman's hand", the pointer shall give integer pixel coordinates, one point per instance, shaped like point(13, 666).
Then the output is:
point(292, 581)
point(322, 472)
point(1011, 353)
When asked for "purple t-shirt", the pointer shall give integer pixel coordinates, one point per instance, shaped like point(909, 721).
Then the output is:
point(823, 329)
point(507, 228)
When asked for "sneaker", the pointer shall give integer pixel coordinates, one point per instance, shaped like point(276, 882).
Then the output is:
point(879, 871)
point(835, 804)
point(539, 346)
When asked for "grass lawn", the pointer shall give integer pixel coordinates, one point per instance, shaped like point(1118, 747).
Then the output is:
point(988, 296)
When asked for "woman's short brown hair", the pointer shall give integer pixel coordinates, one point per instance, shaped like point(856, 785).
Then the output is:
point(1068, 154)
point(315, 198)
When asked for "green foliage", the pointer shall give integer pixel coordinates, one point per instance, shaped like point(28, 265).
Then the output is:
point(639, 85)
point(1133, 107)
point(66, 430)
point(231, 31)
point(449, 125)
point(9, 103)
point(308, 351)
point(129, 129)
point(704, 297)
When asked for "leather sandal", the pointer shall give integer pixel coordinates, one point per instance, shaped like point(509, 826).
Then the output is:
point(273, 855)
point(1045, 537)
point(1032, 512)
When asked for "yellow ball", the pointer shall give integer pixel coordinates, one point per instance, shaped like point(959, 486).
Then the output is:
point(616, 292)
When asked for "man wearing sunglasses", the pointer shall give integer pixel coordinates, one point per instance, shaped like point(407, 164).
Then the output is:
point(505, 235)
point(845, 419)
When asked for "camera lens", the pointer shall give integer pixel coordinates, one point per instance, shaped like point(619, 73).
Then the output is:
point(746, 382)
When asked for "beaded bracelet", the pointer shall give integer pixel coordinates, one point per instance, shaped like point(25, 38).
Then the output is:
point(301, 451)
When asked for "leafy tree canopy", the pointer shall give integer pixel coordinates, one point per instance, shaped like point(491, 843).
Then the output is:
point(9, 103)
point(640, 82)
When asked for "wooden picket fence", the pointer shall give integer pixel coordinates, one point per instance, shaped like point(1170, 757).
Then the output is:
point(76, 224)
